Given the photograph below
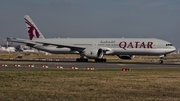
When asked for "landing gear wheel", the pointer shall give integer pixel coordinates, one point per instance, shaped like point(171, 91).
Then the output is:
point(81, 60)
point(77, 60)
point(160, 61)
point(100, 60)
point(104, 60)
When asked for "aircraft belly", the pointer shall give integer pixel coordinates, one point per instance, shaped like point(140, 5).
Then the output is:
point(140, 51)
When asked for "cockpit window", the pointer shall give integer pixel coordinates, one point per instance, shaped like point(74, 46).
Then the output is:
point(168, 44)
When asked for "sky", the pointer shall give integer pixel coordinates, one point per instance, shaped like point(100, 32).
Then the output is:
point(93, 18)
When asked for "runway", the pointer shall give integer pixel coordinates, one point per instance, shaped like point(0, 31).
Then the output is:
point(83, 65)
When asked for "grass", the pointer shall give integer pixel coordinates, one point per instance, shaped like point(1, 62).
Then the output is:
point(98, 85)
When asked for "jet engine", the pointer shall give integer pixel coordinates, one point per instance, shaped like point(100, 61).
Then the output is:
point(94, 53)
point(126, 57)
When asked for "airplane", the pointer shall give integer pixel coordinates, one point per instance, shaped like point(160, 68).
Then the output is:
point(7, 49)
point(95, 48)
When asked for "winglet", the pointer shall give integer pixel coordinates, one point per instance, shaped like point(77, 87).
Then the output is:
point(33, 31)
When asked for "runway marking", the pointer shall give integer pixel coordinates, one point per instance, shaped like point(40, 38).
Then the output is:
point(122, 64)
point(118, 64)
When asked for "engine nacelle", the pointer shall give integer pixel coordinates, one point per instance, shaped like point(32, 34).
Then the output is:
point(126, 57)
point(94, 53)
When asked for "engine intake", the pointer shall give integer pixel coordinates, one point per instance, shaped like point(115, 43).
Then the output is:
point(94, 53)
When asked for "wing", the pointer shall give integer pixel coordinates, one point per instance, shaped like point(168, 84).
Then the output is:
point(18, 40)
point(33, 43)
point(77, 48)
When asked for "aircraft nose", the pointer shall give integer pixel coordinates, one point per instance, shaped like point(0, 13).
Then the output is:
point(173, 49)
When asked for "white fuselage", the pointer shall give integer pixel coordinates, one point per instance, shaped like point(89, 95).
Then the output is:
point(114, 46)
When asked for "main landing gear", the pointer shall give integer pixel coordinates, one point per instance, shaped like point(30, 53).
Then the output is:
point(100, 60)
point(86, 60)
point(81, 60)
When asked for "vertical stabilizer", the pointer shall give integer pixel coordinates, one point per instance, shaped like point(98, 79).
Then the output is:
point(33, 31)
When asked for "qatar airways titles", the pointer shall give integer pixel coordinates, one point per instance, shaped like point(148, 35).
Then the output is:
point(124, 45)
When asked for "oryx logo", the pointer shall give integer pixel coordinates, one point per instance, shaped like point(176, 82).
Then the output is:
point(32, 30)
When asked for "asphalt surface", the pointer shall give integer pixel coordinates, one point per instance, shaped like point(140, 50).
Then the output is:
point(83, 65)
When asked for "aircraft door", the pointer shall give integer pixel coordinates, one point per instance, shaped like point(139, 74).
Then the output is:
point(94, 44)
point(155, 45)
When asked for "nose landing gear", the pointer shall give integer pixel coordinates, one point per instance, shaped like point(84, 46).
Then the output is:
point(161, 59)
